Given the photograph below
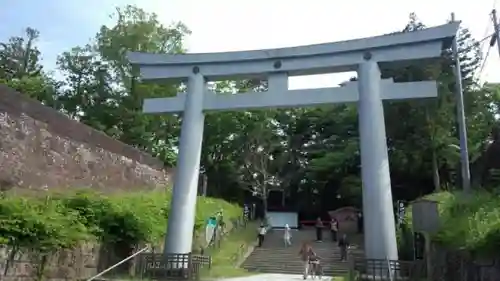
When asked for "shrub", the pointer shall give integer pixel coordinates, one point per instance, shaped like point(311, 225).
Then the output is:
point(64, 220)
point(470, 222)
point(38, 224)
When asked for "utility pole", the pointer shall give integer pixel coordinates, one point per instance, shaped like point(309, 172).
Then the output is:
point(496, 36)
point(462, 127)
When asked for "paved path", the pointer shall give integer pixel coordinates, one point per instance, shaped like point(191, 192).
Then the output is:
point(273, 277)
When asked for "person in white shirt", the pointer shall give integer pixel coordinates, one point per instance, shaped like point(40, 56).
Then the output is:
point(334, 229)
point(262, 232)
point(287, 236)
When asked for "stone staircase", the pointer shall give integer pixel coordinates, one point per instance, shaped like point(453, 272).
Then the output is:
point(273, 257)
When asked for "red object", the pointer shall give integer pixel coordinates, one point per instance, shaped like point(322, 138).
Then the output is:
point(313, 222)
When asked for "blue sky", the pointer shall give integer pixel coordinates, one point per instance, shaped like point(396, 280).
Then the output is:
point(228, 25)
point(62, 24)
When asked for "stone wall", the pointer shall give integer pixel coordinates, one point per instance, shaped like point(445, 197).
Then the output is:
point(65, 265)
point(41, 148)
point(79, 263)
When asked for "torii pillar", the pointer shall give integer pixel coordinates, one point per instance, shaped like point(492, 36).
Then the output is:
point(365, 56)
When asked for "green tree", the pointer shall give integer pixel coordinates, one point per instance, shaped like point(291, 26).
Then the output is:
point(432, 122)
point(311, 153)
point(19, 56)
point(21, 70)
point(104, 92)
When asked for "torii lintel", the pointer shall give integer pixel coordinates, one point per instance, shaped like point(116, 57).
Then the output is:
point(302, 60)
point(291, 98)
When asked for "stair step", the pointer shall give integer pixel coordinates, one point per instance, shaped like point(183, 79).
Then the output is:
point(289, 261)
point(295, 257)
point(299, 266)
point(296, 271)
point(291, 264)
point(296, 253)
point(274, 257)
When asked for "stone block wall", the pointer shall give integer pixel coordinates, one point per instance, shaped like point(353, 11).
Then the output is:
point(41, 148)
point(74, 264)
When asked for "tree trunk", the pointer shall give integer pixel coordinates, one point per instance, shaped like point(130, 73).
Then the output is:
point(283, 199)
point(435, 165)
point(435, 171)
point(204, 185)
point(264, 205)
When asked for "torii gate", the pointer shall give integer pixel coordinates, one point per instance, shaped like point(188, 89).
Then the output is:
point(362, 55)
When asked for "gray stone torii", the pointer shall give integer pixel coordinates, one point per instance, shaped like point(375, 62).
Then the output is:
point(362, 55)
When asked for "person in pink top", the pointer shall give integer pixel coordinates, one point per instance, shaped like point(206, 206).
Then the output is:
point(306, 252)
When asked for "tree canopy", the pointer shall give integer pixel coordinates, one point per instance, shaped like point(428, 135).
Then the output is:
point(311, 154)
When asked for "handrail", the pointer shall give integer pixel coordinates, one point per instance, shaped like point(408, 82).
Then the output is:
point(389, 268)
point(117, 264)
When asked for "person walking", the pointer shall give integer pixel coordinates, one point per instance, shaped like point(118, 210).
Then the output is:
point(360, 222)
point(319, 229)
point(306, 252)
point(246, 212)
point(262, 233)
point(334, 229)
point(287, 236)
point(344, 246)
point(221, 222)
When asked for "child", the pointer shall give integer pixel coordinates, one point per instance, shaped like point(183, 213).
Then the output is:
point(262, 232)
point(287, 236)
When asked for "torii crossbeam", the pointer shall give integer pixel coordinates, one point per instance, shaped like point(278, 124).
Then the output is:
point(283, 98)
point(366, 56)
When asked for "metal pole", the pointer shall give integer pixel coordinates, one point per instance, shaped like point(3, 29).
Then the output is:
point(497, 28)
point(117, 264)
point(462, 127)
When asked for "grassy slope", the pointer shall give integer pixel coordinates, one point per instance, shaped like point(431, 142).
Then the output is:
point(232, 248)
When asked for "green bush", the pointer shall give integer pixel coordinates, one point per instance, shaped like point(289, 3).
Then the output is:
point(39, 224)
point(470, 222)
point(64, 220)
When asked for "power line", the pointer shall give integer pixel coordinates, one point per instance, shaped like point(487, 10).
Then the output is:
point(478, 74)
point(481, 47)
point(486, 37)
point(485, 59)
point(487, 29)
point(484, 62)
point(488, 25)
point(496, 38)
point(476, 44)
